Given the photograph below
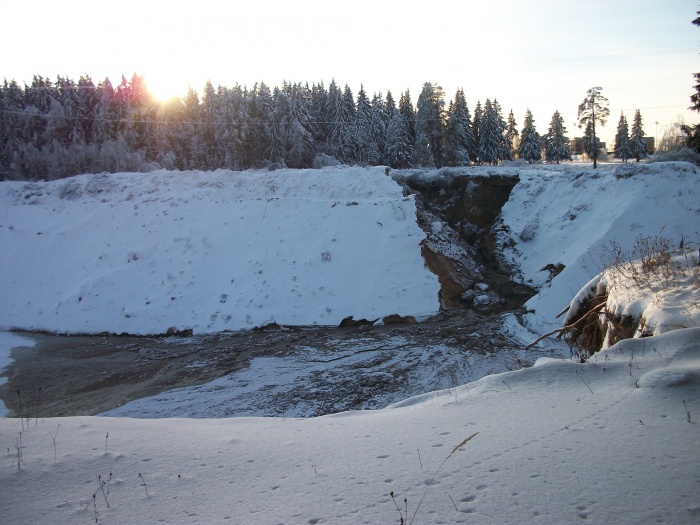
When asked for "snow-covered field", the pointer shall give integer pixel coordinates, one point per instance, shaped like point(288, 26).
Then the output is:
point(140, 253)
point(613, 440)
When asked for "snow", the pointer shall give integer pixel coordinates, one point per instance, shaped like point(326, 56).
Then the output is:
point(569, 214)
point(608, 441)
point(140, 253)
point(613, 440)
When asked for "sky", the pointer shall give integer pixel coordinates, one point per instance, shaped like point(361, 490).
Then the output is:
point(537, 54)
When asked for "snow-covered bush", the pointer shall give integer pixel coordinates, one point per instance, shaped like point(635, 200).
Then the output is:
point(648, 290)
point(684, 154)
point(323, 161)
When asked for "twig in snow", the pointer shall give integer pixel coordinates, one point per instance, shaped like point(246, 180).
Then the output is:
point(144, 483)
point(21, 416)
point(466, 440)
point(453, 503)
point(53, 438)
point(687, 412)
point(584, 381)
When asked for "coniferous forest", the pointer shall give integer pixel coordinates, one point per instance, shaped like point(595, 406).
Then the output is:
point(50, 130)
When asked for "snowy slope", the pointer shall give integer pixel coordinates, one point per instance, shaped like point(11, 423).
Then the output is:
point(568, 214)
point(141, 253)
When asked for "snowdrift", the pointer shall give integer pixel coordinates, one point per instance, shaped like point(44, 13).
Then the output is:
point(141, 253)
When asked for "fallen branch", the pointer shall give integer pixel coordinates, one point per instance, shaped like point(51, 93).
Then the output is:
point(568, 328)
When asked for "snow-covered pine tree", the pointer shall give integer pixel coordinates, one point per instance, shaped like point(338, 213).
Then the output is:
point(505, 148)
point(530, 142)
point(556, 143)
point(346, 126)
point(458, 135)
point(490, 137)
point(399, 148)
point(591, 143)
point(334, 102)
point(430, 121)
point(476, 132)
point(638, 145)
point(89, 102)
point(408, 113)
point(260, 114)
point(299, 144)
point(363, 148)
point(511, 136)
point(318, 113)
point(623, 149)
point(378, 130)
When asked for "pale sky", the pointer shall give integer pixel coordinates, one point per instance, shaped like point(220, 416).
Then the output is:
point(537, 54)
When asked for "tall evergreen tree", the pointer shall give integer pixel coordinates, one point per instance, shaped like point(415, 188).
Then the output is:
point(430, 121)
point(623, 149)
point(591, 144)
point(693, 132)
point(504, 147)
point(530, 142)
point(556, 143)
point(511, 135)
point(379, 123)
point(408, 113)
point(458, 135)
point(593, 110)
point(348, 114)
point(299, 145)
point(476, 132)
point(399, 148)
point(490, 135)
point(637, 143)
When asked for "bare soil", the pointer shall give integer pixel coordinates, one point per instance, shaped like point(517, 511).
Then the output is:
point(88, 375)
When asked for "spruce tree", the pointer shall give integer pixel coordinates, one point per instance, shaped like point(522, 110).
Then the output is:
point(638, 145)
point(408, 113)
point(430, 121)
point(490, 136)
point(591, 143)
point(623, 149)
point(458, 135)
point(511, 136)
point(556, 144)
point(476, 132)
point(399, 148)
point(530, 142)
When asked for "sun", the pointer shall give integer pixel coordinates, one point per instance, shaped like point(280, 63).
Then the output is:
point(163, 88)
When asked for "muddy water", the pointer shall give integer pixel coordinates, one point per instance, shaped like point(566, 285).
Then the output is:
point(337, 369)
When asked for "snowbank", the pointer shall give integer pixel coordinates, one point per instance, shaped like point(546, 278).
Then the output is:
point(140, 253)
point(568, 214)
point(640, 300)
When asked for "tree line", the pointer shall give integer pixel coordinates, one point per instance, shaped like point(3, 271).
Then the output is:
point(50, 130)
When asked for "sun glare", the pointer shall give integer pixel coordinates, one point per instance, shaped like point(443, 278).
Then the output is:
point(163, 89)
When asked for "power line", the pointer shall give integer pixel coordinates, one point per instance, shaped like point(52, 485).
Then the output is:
point(610, 57)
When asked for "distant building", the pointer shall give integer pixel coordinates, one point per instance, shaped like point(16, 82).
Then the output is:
point(577, 146)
